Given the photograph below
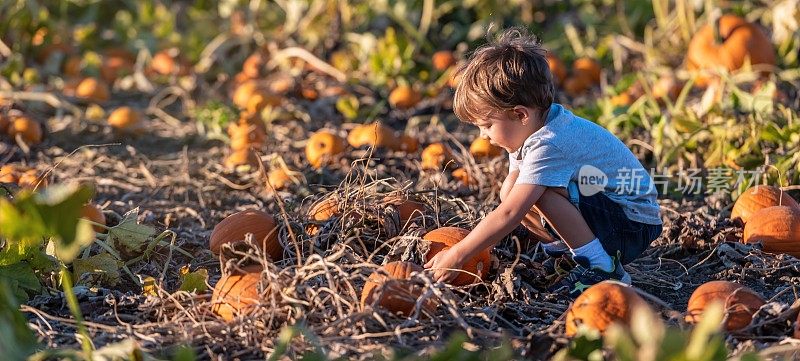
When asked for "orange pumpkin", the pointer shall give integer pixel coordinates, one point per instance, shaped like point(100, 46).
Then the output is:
point(557, 68)
point(463, 176)
point(483, 148)
point(408, 143)
point(443, 59)
point(169, 62)
point(234, 227)
point(279, 178)
point(116, 62)
point(92, 89)
point(390, 287)
point(738, 40)
point(72, 66)
point(253, 66)
point(740, 303)
point(9, 173)
point(406, 208)
point(236, 294)
point(759, 197)
point(241, 157)
point(30, 179)
point(576, 85)
point(587, 68)
point(373, 135)
point(125, 119)
point(243, 92)
point(776, 228)
point(446, 237)
point(93, 213)
point(324, 210)
point(29, 130)
point(435, 156)
point(601, 305)
point(260, 100)
point(322, 146)
point(404, 97)
point(244, 135)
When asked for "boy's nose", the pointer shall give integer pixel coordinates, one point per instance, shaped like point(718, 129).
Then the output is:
point(483, 133)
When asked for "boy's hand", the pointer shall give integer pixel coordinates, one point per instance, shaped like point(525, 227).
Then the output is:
point(445, 265)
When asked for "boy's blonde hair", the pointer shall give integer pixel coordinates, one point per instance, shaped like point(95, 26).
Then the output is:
point(512, 70)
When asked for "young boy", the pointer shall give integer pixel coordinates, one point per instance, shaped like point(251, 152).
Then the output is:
point(579, 177)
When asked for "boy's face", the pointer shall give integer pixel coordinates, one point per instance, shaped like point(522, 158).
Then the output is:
point(504, 129)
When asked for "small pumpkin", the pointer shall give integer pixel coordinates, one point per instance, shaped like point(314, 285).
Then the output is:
point(404, 97)
point(9, 173)
point(776, 228)
point(28, 129)
point(93, 213)
point(236, 293)
point(116, 62)
point(373, 135)
point(740, 303)
point(587, 68)
point(253, 66)
point(324, 210)
point(243, 92)
point(483, 148)
point(443, 59)
point(760, 197)
point(72, 66)
point(125, 119)
point(244, 135)
point(407, 209)
point(408, 143)
point(233, 229)
point(30, 179)
point(462, 175)
point(92, 89)
point(322, 146)
point(576, 85)
point(601, 305)
point(391, 288)
point(241, 157)
point(726, 43)
point(557, 68)
point(279, 178)
point(435, 156)
point(260, 100)
point(169, 62)
point(445, 237)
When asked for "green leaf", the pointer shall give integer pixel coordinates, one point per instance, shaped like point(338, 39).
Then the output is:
point(184, 353)
point(21, 279)
point(194, 281)
point(101, 268)
point(129, 235)
point(16, 339)
point(60, 207)
point(348, 106)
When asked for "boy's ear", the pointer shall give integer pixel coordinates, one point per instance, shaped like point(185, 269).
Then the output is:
point(521, 113)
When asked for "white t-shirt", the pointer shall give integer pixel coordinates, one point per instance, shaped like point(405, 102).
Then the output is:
point(570, 149)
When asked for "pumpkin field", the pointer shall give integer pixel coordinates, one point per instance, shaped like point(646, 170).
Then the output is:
point(265, 180)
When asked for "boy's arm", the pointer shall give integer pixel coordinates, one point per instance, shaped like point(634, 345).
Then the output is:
point(489, 231)
point(508, 183)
